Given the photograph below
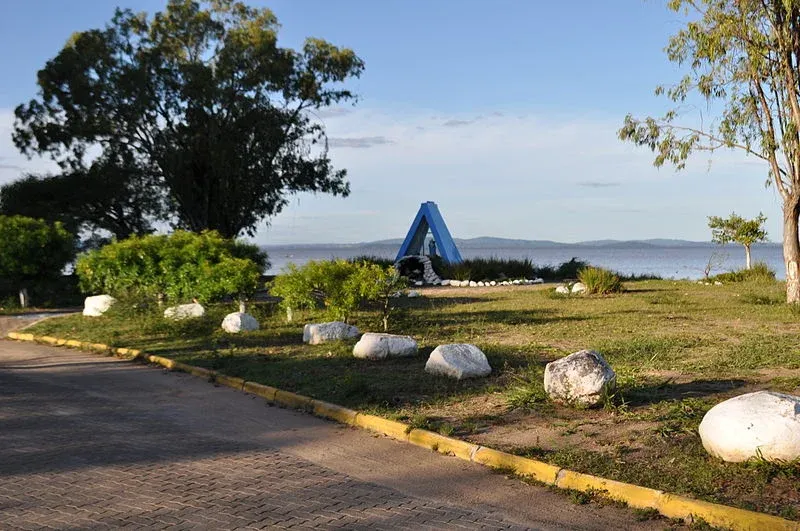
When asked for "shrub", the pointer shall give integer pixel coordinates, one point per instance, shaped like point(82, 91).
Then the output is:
point(600, 281)
point(760, 272)
point(570, 269)
point(372, 259)
point(339, 286)
point(176, 267)
point(487, 269)
point(32, 252)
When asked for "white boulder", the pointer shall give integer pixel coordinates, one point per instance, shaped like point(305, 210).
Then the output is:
point(239, 322)
point(582, 378)
point(459, 361)
point(537, 281)
point(762, 424)
point(472, 284)
point(578, 287)
point(445, 282)
point(185, 311)
point(563, 290)
point(481, 283)
point(97, 305)
point(413, 294)
point(317, 333)
point(381, 346)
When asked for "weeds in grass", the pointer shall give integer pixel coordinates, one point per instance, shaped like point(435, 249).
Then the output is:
point(600, 281)
point(760, 272)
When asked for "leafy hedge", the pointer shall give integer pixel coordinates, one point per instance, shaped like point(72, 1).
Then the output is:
point(176, 267)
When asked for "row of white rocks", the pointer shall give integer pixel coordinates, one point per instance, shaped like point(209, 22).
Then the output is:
point(455, 360)
point(481, 283)
point(233, 323)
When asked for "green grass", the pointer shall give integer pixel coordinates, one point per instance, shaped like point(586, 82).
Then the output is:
point(678, 348)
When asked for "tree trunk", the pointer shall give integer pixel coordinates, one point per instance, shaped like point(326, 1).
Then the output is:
point(23, 298)
point(747, 256)
point(791, 249)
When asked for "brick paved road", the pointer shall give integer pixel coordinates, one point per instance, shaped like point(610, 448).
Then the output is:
point(89, 443)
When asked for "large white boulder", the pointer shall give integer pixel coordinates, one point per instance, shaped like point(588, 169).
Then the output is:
point(97, 305)
point(381, 346)
point(563, 290)
point(582, 378)
point(762, 424)
point(578, 287)
point(459, 361)
point(317, 333)
point(185, 311)
point(239, 322)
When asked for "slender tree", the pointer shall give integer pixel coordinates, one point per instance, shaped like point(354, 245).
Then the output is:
point(197, 104)
point(738, 229)
point(744, 54)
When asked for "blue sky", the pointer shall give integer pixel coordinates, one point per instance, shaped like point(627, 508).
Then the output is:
point(504, 113)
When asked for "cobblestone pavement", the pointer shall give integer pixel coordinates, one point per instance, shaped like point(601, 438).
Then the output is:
point(93, 443)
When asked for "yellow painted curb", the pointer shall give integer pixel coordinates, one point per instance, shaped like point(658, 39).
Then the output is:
point(633, 495)
point(542, 472)
point(264, 391)
point(285, 398)
point(229, 381)
point(669, 505)
point(392, 428)
point(723, 516)
point(442, 444)
point(333, 412)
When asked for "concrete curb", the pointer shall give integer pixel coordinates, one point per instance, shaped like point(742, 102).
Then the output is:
point(670, 505)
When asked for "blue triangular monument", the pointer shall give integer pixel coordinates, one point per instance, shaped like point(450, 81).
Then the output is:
point(427, 218)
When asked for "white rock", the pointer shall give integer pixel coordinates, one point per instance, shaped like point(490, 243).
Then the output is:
point(505, 283)
point(764, 424)
point(184, 311)
point(418, 283)
point(317, 333)
point(413, 294)
point(493, 283)
point(562, 290)
point(538, 281)
point(578, 287)
point(481, 283)
point(239, 322)
point(515, 282)
point(381, 346)
point(459, 361)
point(445, 282)
point(581, 378)
point(717, 283)
point(97, 305)
point(472, 284)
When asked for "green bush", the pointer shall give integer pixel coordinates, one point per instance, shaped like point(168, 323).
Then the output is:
point(176, 267)
point(760, 272)
point(32, 252)
point(600, 281)
point(338, 286)
point(486, 269)
point(372, 259)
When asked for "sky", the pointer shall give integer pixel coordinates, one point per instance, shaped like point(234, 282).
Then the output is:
point(504, 113)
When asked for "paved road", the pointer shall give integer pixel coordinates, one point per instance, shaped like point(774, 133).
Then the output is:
point(88, 442)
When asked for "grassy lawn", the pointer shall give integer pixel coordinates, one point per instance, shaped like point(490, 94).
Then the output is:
point(678, 348)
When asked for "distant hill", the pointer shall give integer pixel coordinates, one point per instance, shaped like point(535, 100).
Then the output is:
point(488, 242)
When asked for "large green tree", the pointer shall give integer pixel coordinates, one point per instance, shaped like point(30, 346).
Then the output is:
point(84, 201)
point(32, 250)
point(743, 58)
point(737, 229)
point(197, 104)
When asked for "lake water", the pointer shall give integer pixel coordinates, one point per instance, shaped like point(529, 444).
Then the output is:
point(667, 262)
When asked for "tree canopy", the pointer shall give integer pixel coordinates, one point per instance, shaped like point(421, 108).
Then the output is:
point(745, 55)
point(32, 250)
point(197, 106)
point(737, 229)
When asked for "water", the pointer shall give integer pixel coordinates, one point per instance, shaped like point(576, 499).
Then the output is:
point(667, 262)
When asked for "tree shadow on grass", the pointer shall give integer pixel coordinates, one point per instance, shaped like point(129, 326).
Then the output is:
point(668, 390)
